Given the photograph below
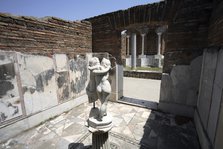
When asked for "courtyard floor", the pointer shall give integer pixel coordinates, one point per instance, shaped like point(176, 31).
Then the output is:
point(133, 127)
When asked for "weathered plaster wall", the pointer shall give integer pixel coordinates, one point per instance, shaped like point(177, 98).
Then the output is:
point(44, 36)
point(39, 87)
point(33, 84)
point(10, 99)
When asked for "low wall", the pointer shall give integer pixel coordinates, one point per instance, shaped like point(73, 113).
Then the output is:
point(35, 88)
point(143, 74)
point(180, 87)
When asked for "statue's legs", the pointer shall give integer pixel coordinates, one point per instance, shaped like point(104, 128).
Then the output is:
point(104, 102)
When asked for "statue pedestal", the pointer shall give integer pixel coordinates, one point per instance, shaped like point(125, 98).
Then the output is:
point(99, 130)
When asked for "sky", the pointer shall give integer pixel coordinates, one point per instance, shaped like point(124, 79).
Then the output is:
point(67, 9)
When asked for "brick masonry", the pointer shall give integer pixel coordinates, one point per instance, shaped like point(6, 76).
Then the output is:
point(187, 33)
point(215, 37)
point(44, 36)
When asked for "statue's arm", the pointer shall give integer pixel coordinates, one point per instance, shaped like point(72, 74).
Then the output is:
point(93, 67)
point(101, 70)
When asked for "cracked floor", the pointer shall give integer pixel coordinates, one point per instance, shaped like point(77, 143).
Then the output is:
point(133, 127)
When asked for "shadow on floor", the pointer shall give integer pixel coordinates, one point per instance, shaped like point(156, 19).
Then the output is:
point(166, 131)
point(139, 102)
point(78, 146)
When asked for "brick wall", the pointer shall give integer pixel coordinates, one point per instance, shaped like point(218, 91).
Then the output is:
point(106, 28)
point(44, 36)
point(216, 25)
point(187, 33)
point(185, 38)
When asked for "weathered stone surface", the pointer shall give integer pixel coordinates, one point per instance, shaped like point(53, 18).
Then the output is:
point(219, 131)
point(78, 75)
point(182, 84)
point(10, 99)
point(143, 74)
point(38, 82)
point(216, 99)
point(206, 84)
point(194, 80)
point(203, 138)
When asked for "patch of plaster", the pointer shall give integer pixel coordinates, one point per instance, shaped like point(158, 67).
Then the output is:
point(79, 74)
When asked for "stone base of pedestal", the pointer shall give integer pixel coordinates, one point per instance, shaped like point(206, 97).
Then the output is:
point(100, 140)
point(99, 130)
point(95, 126)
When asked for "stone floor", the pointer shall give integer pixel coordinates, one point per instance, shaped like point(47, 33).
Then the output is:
point(134, 127)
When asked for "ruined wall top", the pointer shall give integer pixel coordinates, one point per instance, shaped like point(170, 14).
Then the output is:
point(46, 35)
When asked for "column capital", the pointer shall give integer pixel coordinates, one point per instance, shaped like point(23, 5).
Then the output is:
point(161, 30)
point(143, 35)
point(143, 30)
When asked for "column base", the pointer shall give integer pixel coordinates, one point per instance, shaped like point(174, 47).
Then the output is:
point(159, 59)
point(142, 56)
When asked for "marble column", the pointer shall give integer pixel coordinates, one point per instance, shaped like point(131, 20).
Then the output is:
point(159, 43)
point(143, 44)
point(159, 56)
point(133, 51)
point(128, 43)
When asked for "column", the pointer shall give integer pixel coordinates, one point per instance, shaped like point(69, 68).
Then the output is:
point(128, 36)
point(133, 51)
point(159, 56)
point(159, 43)
point(143, 44)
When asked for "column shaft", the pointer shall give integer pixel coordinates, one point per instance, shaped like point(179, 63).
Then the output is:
point(128, 45)
point(159, 43)
point(143, 43)
point(133, 50)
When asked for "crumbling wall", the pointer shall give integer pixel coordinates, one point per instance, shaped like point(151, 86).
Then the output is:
point(44, 36)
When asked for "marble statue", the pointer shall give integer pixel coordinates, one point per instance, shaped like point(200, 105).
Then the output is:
point(103, 86)
point(99, 122)
point(99, 86)
point(94, 64)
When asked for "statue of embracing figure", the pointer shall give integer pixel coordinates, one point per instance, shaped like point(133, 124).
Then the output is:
point(99, 87)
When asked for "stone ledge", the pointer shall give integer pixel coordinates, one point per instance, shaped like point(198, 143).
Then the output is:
point(143, 74)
